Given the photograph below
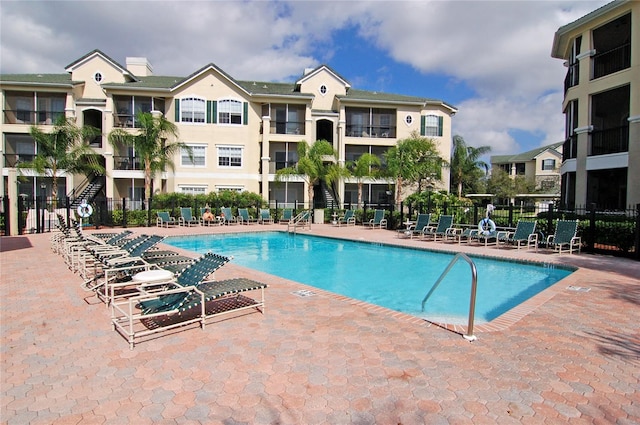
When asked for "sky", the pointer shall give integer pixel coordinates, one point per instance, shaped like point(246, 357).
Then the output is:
point(490, 59)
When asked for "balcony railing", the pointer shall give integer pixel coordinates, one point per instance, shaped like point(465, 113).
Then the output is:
point(279, 165)
point(352, 130)
point(573, 76)
point(127, 163)
point(287, 127)
point(614, 60)
point(612, 140)
point(570, 148)
point(22, 116)
point(11, 160)
point(124, 121)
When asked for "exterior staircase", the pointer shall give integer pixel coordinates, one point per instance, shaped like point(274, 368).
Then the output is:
point(87, 192)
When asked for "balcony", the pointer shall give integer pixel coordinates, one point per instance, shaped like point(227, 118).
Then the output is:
point(573, 76)
point(570, 148)
point(287, 127)
point(611, 61)
point(612, 140)
point(370, 131)
point(127, 163)
point(11, 160)
point(22, 116)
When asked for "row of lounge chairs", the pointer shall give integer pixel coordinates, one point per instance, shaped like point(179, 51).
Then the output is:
point(187, 219)
point(524, 235)
point(150, 290)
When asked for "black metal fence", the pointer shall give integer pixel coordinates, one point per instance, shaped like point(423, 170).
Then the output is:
point(607, 232)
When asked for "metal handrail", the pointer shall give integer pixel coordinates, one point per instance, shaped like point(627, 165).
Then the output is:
point(298, 218)
point(474, 284)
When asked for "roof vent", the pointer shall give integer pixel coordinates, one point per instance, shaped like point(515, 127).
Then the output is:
point(307, 71)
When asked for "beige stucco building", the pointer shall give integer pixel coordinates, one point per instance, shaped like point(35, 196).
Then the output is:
point(601, 153)
point(241, 132)
point(541, 165)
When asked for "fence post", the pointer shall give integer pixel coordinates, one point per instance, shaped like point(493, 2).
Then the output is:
point(124, 212)
point(364, 212)
point(510, 214)
point(149, 211)
point(38, 228)
point(67, 206)
point(475, 213)
point(402, 211)
point(7, 216)
point(591, 238)
point(637, 241)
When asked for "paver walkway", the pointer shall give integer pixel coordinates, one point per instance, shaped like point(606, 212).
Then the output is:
point(573, 358)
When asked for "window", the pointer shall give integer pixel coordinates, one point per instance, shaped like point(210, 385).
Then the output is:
point(229, 112)
point(432, 126)
point(408, 119)
point(192, 109)
point(97, 77)
point(323, 89)
point(229, 156)
point(230, 188)
point(193, 190)
point(549, 164)
point(199, 156)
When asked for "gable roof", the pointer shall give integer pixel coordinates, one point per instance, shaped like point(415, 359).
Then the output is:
point(526, 156)
point(94, 53)
point(316, 71)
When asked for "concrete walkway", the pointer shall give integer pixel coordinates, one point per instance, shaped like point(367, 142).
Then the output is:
point(565, 357)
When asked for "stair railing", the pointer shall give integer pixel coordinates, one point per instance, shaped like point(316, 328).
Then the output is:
point(469, 336)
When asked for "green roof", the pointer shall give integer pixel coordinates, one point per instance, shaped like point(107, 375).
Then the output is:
point(60, 79)
point(524, 156)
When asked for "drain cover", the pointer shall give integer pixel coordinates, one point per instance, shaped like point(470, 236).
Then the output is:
point(578, 288)
point(304, 293)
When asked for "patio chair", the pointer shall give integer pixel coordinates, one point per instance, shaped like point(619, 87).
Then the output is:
point(377, 220)
point(207, 218)
point(416, 229)
point(228, 216)
point(525, 234)
point(565, 234)
point(287, 215)
point(349, 218)
point(265, 216)
point(468, 234)
point(186, 217)
point(244, 217)
point(442, 229)
point(164, 219)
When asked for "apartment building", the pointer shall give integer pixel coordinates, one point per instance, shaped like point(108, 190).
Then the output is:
point(541, 165)
point(240, 132)
point(601, 152)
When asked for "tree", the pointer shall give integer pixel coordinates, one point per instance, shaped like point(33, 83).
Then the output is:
point(367, 165)
point(466, 167)
point(412, 161)
point(504, 186)
point(316, 163)
point(65, 147)
point(151, 144)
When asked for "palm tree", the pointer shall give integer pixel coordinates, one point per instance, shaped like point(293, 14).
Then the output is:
point(413, 160)
point(367, 165)
point(151, 144)
point(316, 163)
point(65, 147)
point(466, 167)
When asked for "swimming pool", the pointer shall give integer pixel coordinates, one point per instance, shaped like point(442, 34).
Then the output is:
point(393, 277)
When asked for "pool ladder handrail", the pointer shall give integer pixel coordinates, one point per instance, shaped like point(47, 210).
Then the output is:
point(469, 336)
point(303, 217)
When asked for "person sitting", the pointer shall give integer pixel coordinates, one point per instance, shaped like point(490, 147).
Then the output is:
point(208, 215)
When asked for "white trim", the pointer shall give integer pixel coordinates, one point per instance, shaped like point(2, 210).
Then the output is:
point(634, 119)
point(586, 129)
point(587, 54)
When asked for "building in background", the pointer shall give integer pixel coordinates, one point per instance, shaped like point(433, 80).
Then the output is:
point(601, 152)
point(241, 132)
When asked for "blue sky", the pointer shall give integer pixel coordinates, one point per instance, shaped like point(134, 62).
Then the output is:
point(490, 59)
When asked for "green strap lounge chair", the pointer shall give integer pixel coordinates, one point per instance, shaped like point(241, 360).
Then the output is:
point(378, 220)
point(287, 215)
point(244, 217)
point(265, 216)
point(565, 236)
point(164, 219)
point(525, 234)
point(416, 229)
point(228, 216)
point(442, 229)
point(186, 217)
point(349, 218)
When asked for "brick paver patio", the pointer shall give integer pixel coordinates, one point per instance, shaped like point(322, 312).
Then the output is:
point(563, 357)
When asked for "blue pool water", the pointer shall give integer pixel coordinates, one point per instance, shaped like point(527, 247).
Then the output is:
point(391, 277)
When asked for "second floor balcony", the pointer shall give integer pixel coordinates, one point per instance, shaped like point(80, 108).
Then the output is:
point(352, 130)
point(127, 163)
point(608, 141)
point(11, 160)
point(22, 116)
point(570, 148)
point(611, 61)
point(287, 127)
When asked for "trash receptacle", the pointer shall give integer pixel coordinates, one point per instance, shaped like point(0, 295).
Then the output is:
point(318, 216)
